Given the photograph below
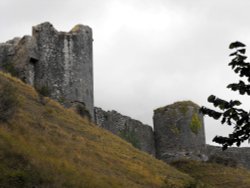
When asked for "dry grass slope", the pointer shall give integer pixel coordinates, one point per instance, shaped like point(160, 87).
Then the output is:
point(215, 175)
point(45, 145)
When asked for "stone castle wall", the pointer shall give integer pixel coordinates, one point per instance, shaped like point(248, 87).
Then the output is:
point(138, 134)
point(232, 156)
point(178, 134)
point(58, 63)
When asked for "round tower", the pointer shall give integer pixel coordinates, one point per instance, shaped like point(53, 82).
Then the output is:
point(179, 132)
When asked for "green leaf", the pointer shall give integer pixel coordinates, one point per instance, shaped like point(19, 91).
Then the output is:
point(232, 54)
point(230, 113)
point(236, 44)
point(241, 57)
point(224, 147)
point(237, 103)
point(216, 115)
point(211, 98)
point(238, 144)
point(243, 51)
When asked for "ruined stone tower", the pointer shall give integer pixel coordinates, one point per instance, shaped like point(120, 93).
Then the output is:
point(179, 132)
point(65, 63)
point(59, 63)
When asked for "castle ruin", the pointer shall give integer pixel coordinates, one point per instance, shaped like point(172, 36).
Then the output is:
point(60, 65)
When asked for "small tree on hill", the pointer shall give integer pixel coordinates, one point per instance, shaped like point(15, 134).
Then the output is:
point(229, 112)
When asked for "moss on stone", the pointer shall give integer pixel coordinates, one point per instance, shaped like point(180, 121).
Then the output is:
point(175, 130)
point(195, 124)
point(78, 28)
point(181, 105)
point(158, 110)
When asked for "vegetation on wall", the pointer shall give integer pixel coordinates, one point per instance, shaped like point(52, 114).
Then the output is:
point(44, 91)
point(10, 68)
point(195, 124)
point(130, 136)
point(174, 129)
point(182, 106)
point(83, 111)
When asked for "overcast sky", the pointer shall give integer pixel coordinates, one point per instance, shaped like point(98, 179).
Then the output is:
point(147, 53)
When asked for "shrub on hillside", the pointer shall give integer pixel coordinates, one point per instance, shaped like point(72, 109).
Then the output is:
point(8, 101)
point(43, 92)
point(10, 68)
point(82, 110)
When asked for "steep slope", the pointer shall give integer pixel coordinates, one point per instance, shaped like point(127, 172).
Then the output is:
point(44, 145)
point(215, 175)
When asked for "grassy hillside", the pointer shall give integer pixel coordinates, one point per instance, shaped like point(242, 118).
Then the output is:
point(215, 175)
point(44, 145)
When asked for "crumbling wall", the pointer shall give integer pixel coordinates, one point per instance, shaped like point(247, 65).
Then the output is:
point(65, 63)
point(7, 52)
point(179, 132)
point(59, 63)
point(231, 157)
point(138, 134)
point(22, 63)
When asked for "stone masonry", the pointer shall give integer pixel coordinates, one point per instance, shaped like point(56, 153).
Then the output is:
point(58, 63)
point(233, 156)
point(179, 132)
point(139, 135)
